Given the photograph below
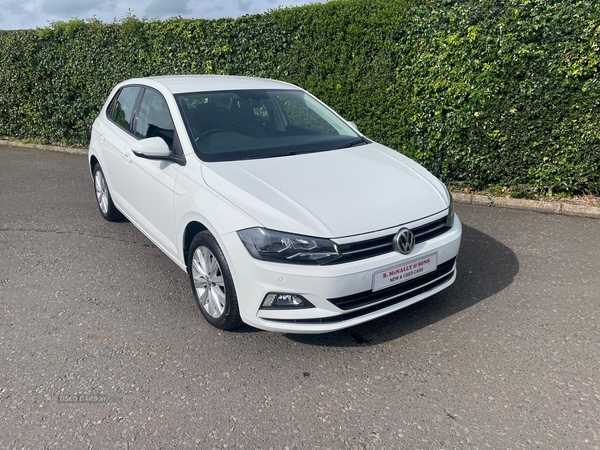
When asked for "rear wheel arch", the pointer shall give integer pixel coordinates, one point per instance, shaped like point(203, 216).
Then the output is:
point(93, 162)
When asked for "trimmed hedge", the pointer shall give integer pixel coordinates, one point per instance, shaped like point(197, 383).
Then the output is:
point(486, 92)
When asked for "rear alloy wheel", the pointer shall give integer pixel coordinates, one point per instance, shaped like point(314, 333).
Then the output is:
point(212, 283)
point(105, 204)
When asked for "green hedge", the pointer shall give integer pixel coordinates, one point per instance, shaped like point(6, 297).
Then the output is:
point(486, 92)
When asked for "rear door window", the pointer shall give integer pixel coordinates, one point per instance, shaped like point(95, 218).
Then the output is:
point(121, 109)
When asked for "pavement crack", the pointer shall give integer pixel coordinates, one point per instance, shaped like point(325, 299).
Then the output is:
point(452, 416)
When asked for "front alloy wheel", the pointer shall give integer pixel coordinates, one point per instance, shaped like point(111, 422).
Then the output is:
point(208, 281)
point(212, 283)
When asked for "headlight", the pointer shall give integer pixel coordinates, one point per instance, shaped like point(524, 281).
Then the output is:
point(450, 219)
point(276, 246)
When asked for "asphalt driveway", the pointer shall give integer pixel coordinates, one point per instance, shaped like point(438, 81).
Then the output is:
point(508, 357)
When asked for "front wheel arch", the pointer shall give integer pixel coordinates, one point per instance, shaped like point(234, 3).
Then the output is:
point(191, 230)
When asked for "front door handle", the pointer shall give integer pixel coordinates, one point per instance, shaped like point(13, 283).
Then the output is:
point(127, 158)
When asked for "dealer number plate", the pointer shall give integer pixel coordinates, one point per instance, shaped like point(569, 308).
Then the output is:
point(404, 272)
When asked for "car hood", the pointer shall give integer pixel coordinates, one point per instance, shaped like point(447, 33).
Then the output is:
point(335, 193)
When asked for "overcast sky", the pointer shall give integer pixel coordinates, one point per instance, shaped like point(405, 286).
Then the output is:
point(16, 14)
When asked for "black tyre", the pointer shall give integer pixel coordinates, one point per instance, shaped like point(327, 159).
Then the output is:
point(105, 204)
point(212, 283)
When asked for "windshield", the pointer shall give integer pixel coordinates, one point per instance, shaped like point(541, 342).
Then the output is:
point(234, 125)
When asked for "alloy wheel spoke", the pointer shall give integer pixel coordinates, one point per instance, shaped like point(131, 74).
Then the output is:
point(199, 257)
point(217, 305)
point(219, 295)
point(204, 298)
point(218, 280)
point(214, 310)
point(197, 267)
point(211, 303)
point(206, 261)
point(214, 267)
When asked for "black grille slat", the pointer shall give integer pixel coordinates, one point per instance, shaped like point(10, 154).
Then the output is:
point(357, 251)
point(365, 249)
point(377, 247)
point(430, 230)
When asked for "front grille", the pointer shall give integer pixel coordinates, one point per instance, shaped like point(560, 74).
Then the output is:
point(366, 298)
point(380, 246)
point(361, 312)
point(430, 230)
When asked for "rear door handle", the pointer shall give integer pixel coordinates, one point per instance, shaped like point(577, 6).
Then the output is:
point(102, 138)
point(127, 157)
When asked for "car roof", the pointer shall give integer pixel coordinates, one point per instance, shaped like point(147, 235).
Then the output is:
point(178, 84)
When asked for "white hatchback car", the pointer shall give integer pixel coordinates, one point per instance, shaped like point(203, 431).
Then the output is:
point(284, 216)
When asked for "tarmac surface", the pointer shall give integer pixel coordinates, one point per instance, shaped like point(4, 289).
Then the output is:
point(103, 347)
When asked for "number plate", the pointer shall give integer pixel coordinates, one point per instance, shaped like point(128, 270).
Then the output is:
point(404, 272)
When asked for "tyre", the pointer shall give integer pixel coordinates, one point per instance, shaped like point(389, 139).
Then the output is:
point(105, 204)
point(212, 283)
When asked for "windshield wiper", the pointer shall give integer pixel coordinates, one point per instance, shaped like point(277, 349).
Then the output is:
point(271, 155)
point(354, 143)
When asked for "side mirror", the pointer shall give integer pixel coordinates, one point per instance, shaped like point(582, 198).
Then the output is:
point(352, 124)
point(151, 148)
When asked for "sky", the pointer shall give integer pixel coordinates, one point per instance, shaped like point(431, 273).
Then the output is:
point(15, 14)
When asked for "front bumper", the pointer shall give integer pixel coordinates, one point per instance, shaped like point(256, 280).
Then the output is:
point(254, 279)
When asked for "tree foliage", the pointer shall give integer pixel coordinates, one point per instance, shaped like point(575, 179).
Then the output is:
point(482, 91)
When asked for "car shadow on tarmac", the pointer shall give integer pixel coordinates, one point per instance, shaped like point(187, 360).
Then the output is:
point(485, 267)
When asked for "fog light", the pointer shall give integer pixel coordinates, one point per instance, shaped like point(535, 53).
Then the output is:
point(285, 301)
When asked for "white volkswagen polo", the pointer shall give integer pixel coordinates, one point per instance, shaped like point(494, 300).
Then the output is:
point(282, 213)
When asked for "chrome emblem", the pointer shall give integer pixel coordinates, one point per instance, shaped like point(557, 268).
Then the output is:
point(404, 241)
